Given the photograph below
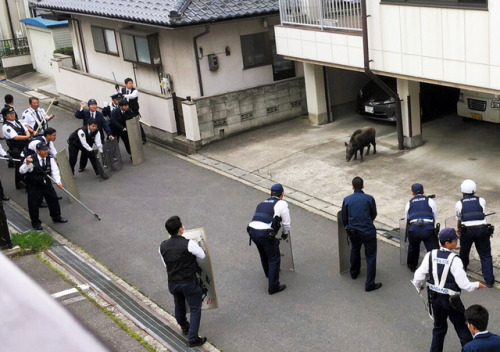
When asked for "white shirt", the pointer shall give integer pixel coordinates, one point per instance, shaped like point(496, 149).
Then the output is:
point(281, 210)
point(56, 175)
point(29, 117)
point(458, 213)
point(52, 149)
point(9, 132)
point(132, 95)
point(83, 139)
point(456, 269)
point(431, 203)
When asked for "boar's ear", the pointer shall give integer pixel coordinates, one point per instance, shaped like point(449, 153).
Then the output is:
point(345, 144)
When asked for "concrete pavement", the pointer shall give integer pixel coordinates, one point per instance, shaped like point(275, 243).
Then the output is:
point(321, 308)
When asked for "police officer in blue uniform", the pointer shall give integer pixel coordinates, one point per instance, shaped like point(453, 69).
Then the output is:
point(447, 278)
point(477, 321)
point(420, 214)
point(269, 216)
point(358, 213)
point(471, 224)
point(179, 256)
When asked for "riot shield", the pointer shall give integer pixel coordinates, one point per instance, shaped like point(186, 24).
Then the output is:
point(206, 275)
point(286, 254)
point(102, 169)
point(111, 155)
point(134, 137)
point(403, 242)
point(66, 174)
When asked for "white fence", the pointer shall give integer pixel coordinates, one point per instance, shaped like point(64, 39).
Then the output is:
point(324, 14)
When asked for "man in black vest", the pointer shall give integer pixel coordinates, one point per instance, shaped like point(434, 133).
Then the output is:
point(17, 137)
point(36, 167)
point(447, 278)
point(102, 125)
point(179, 256)
point(83, 139)
point(118, 124)
point(269, 216)
point(132, 95)
point(420, 214)
point(471, 224)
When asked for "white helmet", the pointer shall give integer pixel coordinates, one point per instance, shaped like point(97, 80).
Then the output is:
point(468, 187)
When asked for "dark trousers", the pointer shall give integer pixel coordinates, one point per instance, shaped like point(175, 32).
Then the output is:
point(124, 136)
point(417, 234)
point(1, 189)
point(73, 151)
point(269, 251)
point(478, 235)
point(35, 196)
point(370, 243)
point(443, 310)
point(190, 293)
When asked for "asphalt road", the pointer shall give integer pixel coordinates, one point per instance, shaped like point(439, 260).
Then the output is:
point(320, 309)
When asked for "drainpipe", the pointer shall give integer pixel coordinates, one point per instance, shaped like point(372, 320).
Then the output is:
point(195, 45)
point(378, 81)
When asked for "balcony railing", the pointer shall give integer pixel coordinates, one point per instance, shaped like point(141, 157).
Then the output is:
point(324, 14)
point(14, 47)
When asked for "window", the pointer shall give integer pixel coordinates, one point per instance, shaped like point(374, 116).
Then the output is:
point(140, 47)
point(104, 40)
point(482, 4)
point(282, 68)
point(256, 50)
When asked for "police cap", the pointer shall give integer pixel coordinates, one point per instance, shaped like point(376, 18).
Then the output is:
point(8, 110)
point(42, 146)
point(417, 188)
point(447, 235)
point(276, 189)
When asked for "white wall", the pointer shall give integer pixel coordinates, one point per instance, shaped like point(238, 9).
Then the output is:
point(453, 46)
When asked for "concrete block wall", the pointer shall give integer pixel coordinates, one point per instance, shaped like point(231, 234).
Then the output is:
point(222, 115)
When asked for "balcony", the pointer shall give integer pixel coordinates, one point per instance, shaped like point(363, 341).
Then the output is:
point(322, 14)
point(14, 47)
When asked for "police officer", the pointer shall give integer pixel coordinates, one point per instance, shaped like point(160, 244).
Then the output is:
point(269, 216)
point(471, 224)
point(447, 278)
point(34, 118)
point(131, 94)
point(118, 124)
point(477, 318)
point(83, 139)
point(49, 137)
point(36, 167)
point(179, 257)
point(17, 136)
point(107, 108)
point(358, 213)
point(420, 214)
point(5, 155)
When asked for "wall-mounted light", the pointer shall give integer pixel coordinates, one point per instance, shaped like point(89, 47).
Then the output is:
point(264, 23)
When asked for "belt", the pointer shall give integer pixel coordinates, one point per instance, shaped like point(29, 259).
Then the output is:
point(425, 221)
point(444, 291)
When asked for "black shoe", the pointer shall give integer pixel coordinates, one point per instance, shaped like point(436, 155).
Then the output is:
point(20, 185)
point(489, 285)
point(37, 227)
point(81, 169)
point(43, 204)
point(198, 342)
point(185, 330)
point(61, 220)
point(279, 289)
point(59, 197)
point(4, 197)
point(354, 276)
point(374, 287)
point(412, 269)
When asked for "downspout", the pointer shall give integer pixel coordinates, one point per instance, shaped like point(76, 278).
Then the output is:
point(195, 45)
point(82, 43)
point(377, 80)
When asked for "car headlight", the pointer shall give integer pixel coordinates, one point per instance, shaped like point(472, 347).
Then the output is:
point(461, 97)
point(495, 103)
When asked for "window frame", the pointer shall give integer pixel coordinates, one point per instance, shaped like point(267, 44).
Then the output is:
point(152, 45)
point(104, 38)
point(256, 38)
point(460, 4)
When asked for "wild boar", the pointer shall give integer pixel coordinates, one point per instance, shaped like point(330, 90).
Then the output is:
point(359, 140)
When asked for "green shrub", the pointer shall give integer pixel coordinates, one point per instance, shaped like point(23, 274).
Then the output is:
point(36, 241)
point(67, 50)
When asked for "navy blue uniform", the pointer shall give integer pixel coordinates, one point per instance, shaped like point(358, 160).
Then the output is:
point(476, 234)
point(484, 342)
point(420, 224)
point(358, 213)
point(117, 123)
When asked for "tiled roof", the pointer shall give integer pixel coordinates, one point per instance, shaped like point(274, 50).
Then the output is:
point(164, 12)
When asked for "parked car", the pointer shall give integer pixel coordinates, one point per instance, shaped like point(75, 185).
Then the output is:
point(435, 100)
point(479, 106)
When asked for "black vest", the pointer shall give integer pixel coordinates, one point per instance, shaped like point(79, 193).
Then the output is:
point(13, 143)
point(181, 264)
point(89, 137)
point(471, 209)
point(265, 213)
point(420, 208)
point(28, 151)
point(37, 177)
point(450, 279)
point(132, 103)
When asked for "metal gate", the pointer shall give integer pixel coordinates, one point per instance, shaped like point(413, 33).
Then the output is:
point(179, 117)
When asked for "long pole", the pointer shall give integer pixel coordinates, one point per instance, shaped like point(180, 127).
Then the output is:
point(46, 112)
